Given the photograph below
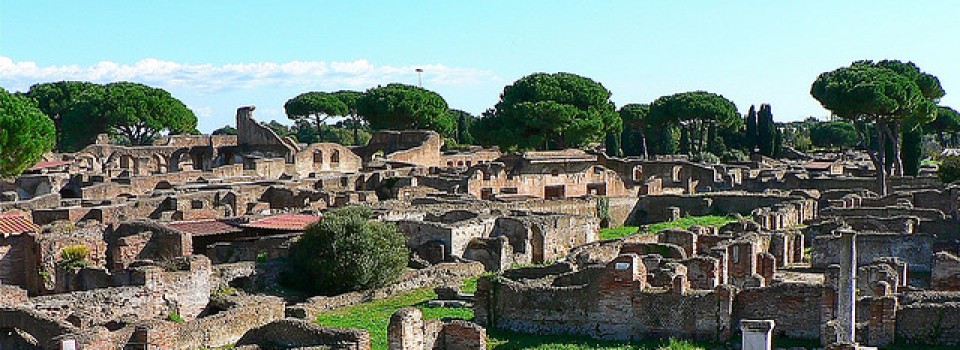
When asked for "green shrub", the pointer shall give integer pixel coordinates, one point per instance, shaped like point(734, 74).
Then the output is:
point(734, 155)
point(949, 170)
point(74, 256)
point(705, 157)
point(346, 251)
point(175, 317)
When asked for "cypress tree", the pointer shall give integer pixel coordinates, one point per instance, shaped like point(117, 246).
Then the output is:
point(613, 144)
point(751, 140)
point(777, 142)
point(766, 131)
point(684, 141)
point(912, 150)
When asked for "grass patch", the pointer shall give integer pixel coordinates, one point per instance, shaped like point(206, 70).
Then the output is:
point(684, 223)
point(374, 316)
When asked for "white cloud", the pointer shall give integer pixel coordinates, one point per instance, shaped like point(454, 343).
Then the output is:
point(208, 78)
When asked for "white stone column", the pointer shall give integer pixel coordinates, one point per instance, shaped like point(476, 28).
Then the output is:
point(847, 284)
point(757, 334)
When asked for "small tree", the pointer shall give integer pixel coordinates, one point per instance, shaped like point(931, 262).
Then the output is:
point(316, 105)
point(750, 141)
point(25, 134)
point(949, 171)
point(834, 134)
point(401, 107)
point(346, 251)
point(766, 131)
point(225, 130)
point(912, 149)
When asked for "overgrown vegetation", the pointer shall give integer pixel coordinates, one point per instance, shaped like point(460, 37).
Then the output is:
point(346, 251)
point(684, 223)
point(74, 256)
point(374, 316)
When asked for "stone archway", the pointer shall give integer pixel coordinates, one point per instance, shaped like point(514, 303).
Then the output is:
point(178, 159)
point(159, 164)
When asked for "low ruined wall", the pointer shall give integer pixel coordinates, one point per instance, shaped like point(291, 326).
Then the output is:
point(929, 323)
point(42, 327)
point(409, 331)
point(613, 306)
point(229, 326)
point(294, 333)
point(447, 273)
point(795, 307)
point(915, 249)
point(945, 274)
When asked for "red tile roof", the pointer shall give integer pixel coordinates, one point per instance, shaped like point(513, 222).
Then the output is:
point(48, 164)
point(204, 227)
point(286, 222)
point(16, 223)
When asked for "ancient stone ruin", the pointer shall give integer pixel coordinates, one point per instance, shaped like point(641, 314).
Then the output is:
point(174, 246)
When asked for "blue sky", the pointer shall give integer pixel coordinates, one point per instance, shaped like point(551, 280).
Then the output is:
point(218, 55)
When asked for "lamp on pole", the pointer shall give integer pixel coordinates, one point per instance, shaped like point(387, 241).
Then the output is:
point(419, 77)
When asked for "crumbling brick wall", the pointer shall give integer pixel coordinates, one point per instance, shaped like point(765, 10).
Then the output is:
point(613, 306)
point(409, 331)
point(915, 249)
point(945, 273)
point(794, 306)
point(296, 333)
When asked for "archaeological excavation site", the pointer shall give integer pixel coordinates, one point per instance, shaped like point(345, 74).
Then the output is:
point(182, 244)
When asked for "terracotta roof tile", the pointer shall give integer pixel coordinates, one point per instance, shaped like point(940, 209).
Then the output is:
point(16, 223)
point(286, 222)
point(204, 227)
point(48, 164)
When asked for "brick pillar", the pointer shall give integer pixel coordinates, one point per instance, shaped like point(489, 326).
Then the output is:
point(828, 306)
point(483, 302)
point(679, 284)
point(725, 295)
point(459, 334)
point(405, 331)
point(768, 267)
point(882, 326)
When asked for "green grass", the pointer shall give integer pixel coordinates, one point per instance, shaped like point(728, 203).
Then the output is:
point(374, 316)
point(684, 223)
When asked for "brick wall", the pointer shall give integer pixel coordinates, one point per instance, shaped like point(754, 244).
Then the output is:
point(945, 273)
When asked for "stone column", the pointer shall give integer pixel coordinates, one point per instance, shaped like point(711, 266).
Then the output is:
point(757, 334)
point(847, 296)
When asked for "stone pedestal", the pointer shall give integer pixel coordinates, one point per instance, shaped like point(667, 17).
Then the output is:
point(757, 334)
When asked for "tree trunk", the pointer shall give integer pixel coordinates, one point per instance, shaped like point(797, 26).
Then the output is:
point(894, 135)
point(880, 159)
point(356, 130)
point(643, 144)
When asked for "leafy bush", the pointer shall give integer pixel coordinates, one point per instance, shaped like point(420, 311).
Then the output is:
point(346, 251)
point(705, 157)
point(949, 170)
point(74, 256)
point(734, 155)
